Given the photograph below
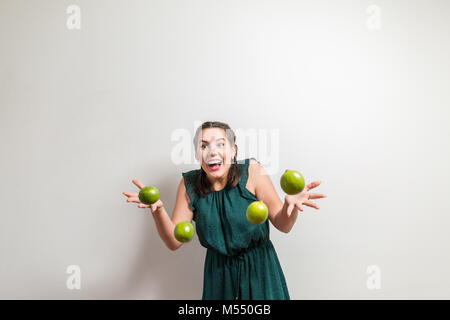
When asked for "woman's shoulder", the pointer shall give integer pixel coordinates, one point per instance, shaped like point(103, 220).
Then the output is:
point(253, 165)
point(252, 168)
point(190, 177)
point(248, 161)
point(190, 173)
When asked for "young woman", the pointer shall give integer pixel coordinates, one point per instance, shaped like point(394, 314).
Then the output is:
point(241, 261)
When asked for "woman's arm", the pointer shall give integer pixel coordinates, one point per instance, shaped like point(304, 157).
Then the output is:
point(181, 212)
point(164, 224)
point(266, 192)
point(284, 221)
point(282, 215)
point(165, 227)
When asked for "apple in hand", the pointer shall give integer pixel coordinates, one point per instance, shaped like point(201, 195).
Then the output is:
point(149, 195)
point(292, 182)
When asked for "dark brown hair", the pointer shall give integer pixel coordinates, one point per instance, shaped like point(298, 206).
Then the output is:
point(203, 186)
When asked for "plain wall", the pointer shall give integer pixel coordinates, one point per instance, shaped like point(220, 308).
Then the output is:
point(84, 111)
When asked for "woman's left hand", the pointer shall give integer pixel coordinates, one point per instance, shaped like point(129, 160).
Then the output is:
point(297, 201)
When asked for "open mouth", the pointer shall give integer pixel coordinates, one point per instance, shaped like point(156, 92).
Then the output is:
point(215, 165)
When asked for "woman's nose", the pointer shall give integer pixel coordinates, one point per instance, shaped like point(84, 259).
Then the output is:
point(212, 150)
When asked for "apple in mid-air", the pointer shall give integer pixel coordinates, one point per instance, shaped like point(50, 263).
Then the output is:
point(184, 231)
point(149, 195)
point(292, 182)
point(257, 212)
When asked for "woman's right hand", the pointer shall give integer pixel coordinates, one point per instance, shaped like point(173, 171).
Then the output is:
point(134, 197)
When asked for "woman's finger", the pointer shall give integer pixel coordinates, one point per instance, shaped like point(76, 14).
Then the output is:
point(317, 195)
point(313, 185)
point(133, 199)
point(143, 206)
point(138, 183)
point(311, 204)
point(299, 206)
point(129, 194)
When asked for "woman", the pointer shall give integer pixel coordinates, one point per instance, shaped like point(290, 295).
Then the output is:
point(241, 261)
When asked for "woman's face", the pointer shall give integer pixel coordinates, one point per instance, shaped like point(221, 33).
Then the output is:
point(215, 152)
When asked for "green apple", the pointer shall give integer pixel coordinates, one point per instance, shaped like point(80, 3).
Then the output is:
point(257, 212)
point(184, 231)
point(292, 182)
point(149, 195)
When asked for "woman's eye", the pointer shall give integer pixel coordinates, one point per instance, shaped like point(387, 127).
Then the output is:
point(220, 144)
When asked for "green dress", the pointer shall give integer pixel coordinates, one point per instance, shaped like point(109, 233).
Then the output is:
point(240, 262)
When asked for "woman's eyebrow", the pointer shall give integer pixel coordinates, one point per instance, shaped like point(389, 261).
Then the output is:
point(216, 140)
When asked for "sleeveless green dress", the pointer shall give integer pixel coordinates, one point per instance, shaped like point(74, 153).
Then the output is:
point(240, 262)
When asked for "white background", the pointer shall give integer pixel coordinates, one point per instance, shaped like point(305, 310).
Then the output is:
point(83, 112)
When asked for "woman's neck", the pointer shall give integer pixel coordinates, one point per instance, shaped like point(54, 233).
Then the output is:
point(218, 183)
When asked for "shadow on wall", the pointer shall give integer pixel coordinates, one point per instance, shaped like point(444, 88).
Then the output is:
point(158, 272)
